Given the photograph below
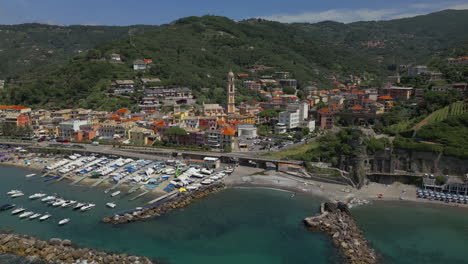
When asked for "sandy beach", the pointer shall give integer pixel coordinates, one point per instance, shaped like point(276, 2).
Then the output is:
point(252, 177)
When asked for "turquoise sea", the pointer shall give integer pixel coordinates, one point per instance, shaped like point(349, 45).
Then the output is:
point(234, 226)
point(238, 226)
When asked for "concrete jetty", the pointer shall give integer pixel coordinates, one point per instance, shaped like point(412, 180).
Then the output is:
point(79, 179)
point(99, 182)
point(134, 188)
point(140, 195)
point(164, 206)
point(335, 220)
point(60, 251)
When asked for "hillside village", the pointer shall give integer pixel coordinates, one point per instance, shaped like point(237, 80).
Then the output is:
point(170, 116)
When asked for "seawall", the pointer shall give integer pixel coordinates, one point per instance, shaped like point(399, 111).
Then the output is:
point(60, 251)
point(335, 220)
point(181, 200)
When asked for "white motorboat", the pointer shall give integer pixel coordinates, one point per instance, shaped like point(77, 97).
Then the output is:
point(59, 202)
point(78, 206)
point(17, 195)
point(26, 214)
point(48, 198)
point(87, 207)
point(13, 192)
point(68, 203)
point(207, 182)
point(44, 217)
point(111, 205)
point(64, 221)
point(34, 216)
point(17, 211)
point(37, 196)
point(30, 175)
point(115, 193)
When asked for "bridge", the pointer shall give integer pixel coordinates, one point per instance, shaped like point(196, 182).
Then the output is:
point(245, 159)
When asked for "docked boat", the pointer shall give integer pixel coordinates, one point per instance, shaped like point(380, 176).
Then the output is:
point(87, 207)
point(115, 193)
point(17, 211)
point(26, 214)
point(107, 190)
point(207, 182)
point(111, 205)
point(11, 192)
point(30, 175)
point(64, 221)
point(58, 202)
point(68, 203)
point(37, 196)
point(17, 195)
point(44, 217)
point(34, 216)
point(48, 198)
point(6, 207)
point(78, 206)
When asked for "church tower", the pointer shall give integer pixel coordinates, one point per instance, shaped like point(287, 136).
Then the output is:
point(231, 90)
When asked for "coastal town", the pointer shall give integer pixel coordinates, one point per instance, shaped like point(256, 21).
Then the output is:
point(212, 140)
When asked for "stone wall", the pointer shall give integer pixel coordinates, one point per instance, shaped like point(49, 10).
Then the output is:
point(181, 200)
point(60, 251)
point(336, 221)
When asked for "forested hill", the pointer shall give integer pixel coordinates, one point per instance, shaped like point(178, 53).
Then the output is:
point(198, 51)
point(28, 46)
point(400, 41)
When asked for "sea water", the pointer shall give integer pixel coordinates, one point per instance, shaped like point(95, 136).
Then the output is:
point(409, 232)
point(233, 226)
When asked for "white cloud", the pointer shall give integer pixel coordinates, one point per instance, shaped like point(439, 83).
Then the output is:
point(364, 14)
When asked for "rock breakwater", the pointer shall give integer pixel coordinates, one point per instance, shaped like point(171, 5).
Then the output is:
point(335, 220)
point(59, 251)
point(181, 200)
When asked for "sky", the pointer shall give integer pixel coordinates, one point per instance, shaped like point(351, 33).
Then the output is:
point(155, 12)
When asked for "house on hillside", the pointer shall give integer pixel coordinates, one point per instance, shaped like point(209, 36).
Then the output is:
point(139, 65)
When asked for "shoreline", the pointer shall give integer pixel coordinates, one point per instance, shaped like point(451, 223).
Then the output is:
point(247, 177)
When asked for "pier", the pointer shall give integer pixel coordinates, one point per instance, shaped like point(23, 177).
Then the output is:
point(140, 195)
point(99, 182)
point(79, 179)
point(134, 188)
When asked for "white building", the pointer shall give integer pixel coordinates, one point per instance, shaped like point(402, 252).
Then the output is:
point(303, 109)
point(246, 131)
point(289, 119)
point(67, 129)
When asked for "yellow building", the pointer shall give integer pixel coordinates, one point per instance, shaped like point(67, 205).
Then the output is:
point(178, 117)
point(140, 136)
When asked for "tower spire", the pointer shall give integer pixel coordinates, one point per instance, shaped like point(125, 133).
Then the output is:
point(231, 91)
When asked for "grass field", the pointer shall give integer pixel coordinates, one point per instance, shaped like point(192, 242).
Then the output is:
point(293, 151)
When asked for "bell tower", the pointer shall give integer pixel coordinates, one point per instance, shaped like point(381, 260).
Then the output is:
point(231, 91)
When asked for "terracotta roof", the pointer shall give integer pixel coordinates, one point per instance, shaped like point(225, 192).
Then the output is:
point(228, 131)
point(13, 107)
point(357, 107)
point(276, 98)
point(122, 111)
point(385, 97)
point(367, 100)
point(159, 123)
point(323, 111)
point(278, 92)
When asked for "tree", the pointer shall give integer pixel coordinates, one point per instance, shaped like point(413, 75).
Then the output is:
point(175, 131)
point(289, 90)
point(227, 149)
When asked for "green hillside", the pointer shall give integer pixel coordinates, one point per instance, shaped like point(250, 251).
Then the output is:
point(399, 41)
point(198, 52)
point(25, 47)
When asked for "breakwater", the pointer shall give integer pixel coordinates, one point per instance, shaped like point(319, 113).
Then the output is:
point(335, 220)
point(59, 251)
point(181, 200)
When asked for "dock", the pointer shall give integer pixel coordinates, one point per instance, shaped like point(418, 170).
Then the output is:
point(99, 182)
point(134, 188)
point(140, 195)
point(117, 185)
point(79, 179)
point(163, 197)
point(52, 178)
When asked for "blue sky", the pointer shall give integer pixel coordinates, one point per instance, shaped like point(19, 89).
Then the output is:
point(154, 12)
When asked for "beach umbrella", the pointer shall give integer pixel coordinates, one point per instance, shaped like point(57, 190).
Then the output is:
point(380, 195)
